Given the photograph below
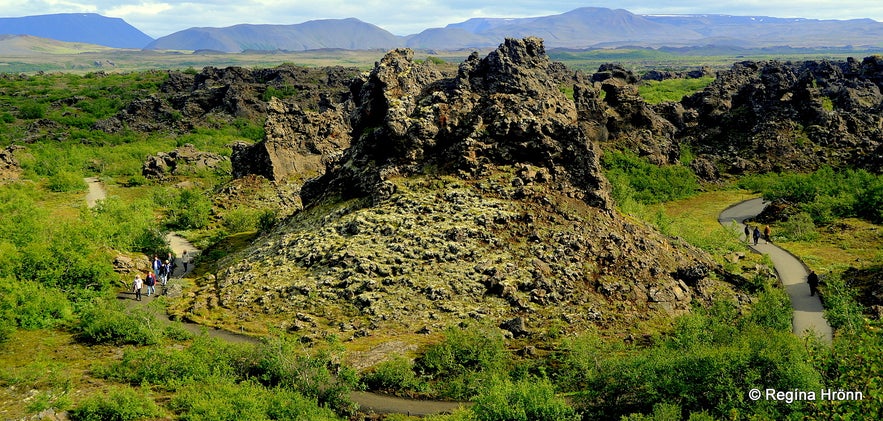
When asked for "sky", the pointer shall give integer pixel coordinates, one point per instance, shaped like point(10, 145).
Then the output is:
point(159, 18)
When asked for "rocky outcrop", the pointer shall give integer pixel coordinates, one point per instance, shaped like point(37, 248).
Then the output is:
point(298, 143)
point(215, 96)
point(499, 110)
point(633, 124)
point(470, 196)
point(660, 75)
point(773, 116)
point(9, 169)
point(183, 160)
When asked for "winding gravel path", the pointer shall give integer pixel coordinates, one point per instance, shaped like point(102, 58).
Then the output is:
point(808, 311)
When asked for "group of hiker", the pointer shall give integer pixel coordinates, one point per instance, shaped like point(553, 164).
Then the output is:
point(160, 272)
point(756, 235)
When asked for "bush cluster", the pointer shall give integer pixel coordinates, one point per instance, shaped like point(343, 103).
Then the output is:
point(634, 179)
point(826, 194)
point(707, 364)
point(107, 322)
point(279, 364)
point(460, 366)
point(119, 404)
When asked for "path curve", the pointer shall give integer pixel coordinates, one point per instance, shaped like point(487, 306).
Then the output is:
point(177, 243)
point(808, 310)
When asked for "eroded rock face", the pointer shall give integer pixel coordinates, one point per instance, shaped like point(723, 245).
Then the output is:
point(298, 144)
point(181, 160)
point(500, 110)
point(774, 116)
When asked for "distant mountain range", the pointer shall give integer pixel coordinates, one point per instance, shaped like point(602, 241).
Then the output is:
point(588, 27)
point(88, 28)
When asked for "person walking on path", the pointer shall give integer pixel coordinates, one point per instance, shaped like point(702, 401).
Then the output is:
point(747, 233)
point(136, 287)
point(156, 264)
point(166, 272)
point(756, 235)
point(766, 234)
point(151, 281)
point(813, 280)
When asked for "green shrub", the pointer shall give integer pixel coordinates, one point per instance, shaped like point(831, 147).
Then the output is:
point(853, 363)
point(825, 194)
point(241, 220)
point(65, 181)
point(799, 227)
point(282, 361)
point(30, 305)
point(464, 361)
point(576, 360)
point(477, 347)
point(267, 220)
point(107, 322)
point(394, 374)
point(842, 309)
point(68, 258)
point(869, 202)
point(219, 399)
point(169, 368)
point(708, 363)
point(121, 404)
point(7, 325)
point(191, 210)
point(151, 241)
point(635, 178)
point(32, 111)
point(525, 400)
point(772, 309)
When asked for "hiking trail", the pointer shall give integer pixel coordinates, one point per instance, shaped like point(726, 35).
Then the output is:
point(808, 310)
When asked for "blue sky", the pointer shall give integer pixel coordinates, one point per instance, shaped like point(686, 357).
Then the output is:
point(159, 18)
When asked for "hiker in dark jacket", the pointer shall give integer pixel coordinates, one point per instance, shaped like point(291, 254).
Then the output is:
point(813, 280)
point(756, 235)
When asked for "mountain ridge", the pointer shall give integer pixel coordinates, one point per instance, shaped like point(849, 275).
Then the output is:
point(581, 28)
point(90, 28)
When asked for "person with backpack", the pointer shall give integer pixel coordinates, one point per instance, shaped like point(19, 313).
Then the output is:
point(150, 282)
point(756, 235)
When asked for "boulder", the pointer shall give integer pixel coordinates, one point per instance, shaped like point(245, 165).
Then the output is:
point(9, 168)
point(180, 161)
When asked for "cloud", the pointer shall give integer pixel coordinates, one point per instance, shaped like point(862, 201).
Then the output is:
point(143, 9)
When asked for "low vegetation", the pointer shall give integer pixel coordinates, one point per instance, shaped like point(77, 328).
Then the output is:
point(672, 90)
